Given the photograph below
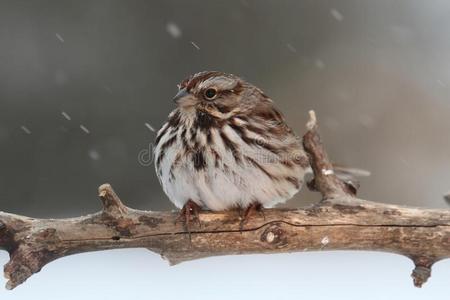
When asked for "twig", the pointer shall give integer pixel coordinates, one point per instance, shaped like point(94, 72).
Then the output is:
point(325, 179)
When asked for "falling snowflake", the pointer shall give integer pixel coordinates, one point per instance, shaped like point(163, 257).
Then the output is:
point(150, 127)
point(93, 154)
point(59, 37)
point(337, 15)
point(291, 48)
point(195, 45)
point(25, 129)
point(319, 64)
point(173, 30)
point(66, 116)
point(82, 127)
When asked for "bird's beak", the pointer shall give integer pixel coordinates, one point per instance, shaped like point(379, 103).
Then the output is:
point(180, 95)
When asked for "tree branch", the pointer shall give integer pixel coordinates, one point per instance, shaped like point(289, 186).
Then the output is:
point(339, 222)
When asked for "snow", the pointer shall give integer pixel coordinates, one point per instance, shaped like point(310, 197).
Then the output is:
point(337, 15)
point(173, 30)
point(82, 127)
point(59, 37)
point(319, 64)
point(291, 48)
point(150, 127)
point(25, 129)
point(93, 154)
point(195, 45)
point(66, 116)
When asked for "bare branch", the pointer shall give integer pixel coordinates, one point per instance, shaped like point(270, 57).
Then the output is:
point(341, 222)
point(111, 202)
point(325, 179)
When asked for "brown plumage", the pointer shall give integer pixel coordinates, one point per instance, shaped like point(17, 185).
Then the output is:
point(226, 145)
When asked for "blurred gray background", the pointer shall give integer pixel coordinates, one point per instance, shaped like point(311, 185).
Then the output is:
point(79, 80)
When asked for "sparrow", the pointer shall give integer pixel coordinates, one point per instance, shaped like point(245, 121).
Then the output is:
point(227, 146)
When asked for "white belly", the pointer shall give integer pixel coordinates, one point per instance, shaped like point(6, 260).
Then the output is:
point(225, 183)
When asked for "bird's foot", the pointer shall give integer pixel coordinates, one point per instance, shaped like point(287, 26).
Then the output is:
point(253, 208)
point(189, 213)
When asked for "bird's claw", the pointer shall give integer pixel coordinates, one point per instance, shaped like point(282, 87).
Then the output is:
point(253, 208)
point(189, 213)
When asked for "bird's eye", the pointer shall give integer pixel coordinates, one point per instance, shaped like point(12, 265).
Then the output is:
point(210, 93)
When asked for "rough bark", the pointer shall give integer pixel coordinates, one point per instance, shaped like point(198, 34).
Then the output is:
point(339, 222)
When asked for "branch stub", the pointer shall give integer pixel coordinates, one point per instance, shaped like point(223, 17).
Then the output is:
point(111, 202)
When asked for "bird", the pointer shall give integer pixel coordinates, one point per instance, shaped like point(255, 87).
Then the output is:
point(227, 146)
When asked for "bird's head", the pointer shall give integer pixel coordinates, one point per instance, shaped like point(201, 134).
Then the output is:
point(215, 93)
